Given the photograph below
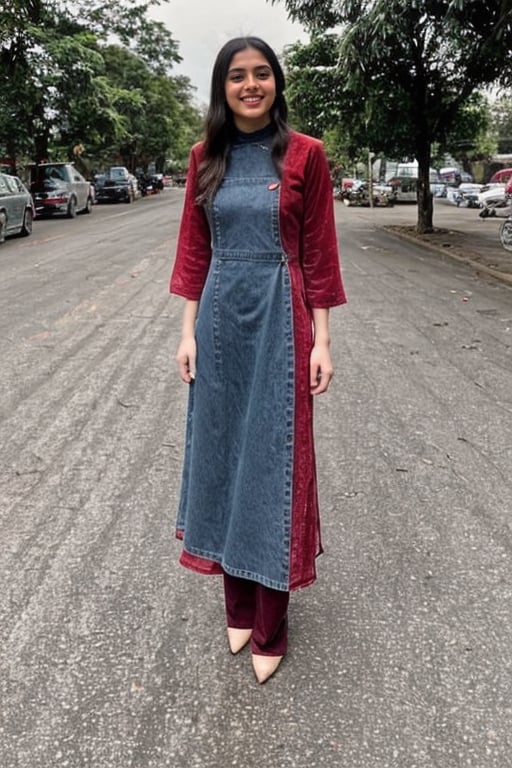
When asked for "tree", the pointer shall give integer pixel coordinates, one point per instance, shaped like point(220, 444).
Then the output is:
point(407, 68)
point(501, 118)
point(155, 111)
point(89, 72)
point(314, 90)
point(472, 137)
point(15, 87)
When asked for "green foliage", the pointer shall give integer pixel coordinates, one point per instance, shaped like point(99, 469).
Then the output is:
point(501, 119)
point(472, 136)
point(313, 87)
point(315, 15)
point(404, 72)
point(95, 73)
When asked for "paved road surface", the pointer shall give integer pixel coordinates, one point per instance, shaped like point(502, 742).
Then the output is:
point(112, 656)
point(459, 234)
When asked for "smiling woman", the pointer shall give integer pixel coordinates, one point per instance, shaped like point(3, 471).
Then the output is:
point(250, 90)
point(257, 263)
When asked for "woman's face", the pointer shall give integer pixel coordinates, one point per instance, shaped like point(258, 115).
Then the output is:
point(250, 90)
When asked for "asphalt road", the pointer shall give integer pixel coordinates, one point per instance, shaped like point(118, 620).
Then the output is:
point(112, 656)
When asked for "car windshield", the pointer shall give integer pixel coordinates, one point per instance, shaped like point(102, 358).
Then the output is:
point(11, 184)
point(117, 174)
point(49, 172)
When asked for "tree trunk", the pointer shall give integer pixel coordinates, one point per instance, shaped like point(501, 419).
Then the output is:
point(425, 198)
point(12, 151)
point(41, 133)
point(41, 153)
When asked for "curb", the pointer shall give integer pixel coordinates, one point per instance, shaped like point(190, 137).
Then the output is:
point(503, 277)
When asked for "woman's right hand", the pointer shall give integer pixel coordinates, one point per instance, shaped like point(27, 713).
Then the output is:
point(186, 359)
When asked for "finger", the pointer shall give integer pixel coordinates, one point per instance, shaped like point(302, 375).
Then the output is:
point(184, 374)
point(315, 374)
point(322, 383)
point(187, 374)
point(319, 387)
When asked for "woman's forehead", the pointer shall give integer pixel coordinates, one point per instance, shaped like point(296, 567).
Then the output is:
point(248, 58)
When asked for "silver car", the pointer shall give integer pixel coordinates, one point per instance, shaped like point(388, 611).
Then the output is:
point(16, 207)
point(60, 188)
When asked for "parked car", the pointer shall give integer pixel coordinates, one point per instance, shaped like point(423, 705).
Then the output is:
point(16, 207)
point(118, 186)
point(98, 181)
point(477, 195)
point(501, 177)
point(60, 188)
point(492, 196)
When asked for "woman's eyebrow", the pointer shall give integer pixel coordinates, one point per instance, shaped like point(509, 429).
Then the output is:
point(242, 69)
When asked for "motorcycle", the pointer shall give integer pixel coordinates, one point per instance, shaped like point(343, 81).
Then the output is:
point(359, 194)
point(505, 212)
point(467, 196)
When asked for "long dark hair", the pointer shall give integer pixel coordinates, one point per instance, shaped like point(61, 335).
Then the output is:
point(220, 126)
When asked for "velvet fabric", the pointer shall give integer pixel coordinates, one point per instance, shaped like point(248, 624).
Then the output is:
point(306, 220)
point(265, 611)
point(308, 238)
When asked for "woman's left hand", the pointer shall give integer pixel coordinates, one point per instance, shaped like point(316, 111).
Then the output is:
point(320, 369)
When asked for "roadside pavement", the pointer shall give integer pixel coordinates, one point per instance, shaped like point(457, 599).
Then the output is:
point(459, 234)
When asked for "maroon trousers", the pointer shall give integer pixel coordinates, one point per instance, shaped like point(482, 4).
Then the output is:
point(250, 605)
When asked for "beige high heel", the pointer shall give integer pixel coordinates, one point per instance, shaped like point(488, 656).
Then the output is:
point(265, 666)
point(238, 638)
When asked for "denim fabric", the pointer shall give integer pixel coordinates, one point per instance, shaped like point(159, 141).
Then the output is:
point(235, 506)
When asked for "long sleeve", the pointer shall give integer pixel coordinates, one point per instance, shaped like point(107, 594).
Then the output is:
point(193, 252)
point(319, 250)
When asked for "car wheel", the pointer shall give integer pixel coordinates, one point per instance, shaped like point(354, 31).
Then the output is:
point(3, 224)
point(27, 223)
point(71, 212)
point(88, 206)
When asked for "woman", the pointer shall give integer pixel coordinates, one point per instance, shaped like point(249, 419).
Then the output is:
point(257, 263)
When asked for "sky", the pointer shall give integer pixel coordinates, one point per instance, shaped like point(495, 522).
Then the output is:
point(201, 27)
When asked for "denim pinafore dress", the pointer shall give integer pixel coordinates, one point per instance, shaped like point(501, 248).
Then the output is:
point(236, 493)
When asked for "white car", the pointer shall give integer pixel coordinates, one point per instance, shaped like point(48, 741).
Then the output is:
point(477, 195)
point(492, 196)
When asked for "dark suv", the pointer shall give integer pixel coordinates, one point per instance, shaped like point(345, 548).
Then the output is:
point(118, 185)
point(60, 188)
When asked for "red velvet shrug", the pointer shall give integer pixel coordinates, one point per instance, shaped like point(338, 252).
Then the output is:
point(306, 219)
